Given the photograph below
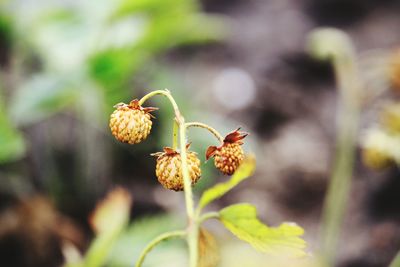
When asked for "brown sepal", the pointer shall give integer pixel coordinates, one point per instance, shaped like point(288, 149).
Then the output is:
point(211, 152)
point(188, 145)
point(168, 151)
point(134, 104)
point(235, 137)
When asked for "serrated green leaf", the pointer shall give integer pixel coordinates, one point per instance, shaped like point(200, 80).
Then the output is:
point(244, 171)
point(241, 220)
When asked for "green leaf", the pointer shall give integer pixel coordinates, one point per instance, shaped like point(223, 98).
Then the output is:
point(11, 141)
point(241, 220)
point(244, 171)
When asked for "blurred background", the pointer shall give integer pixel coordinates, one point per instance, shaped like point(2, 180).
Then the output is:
point(65, 63)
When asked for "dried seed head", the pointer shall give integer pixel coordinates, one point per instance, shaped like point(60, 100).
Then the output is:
point(169, 168)
point(229, 155)
point(131, 123)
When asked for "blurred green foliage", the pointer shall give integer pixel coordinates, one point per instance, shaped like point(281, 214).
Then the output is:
point(11, 141)
point(65, 53)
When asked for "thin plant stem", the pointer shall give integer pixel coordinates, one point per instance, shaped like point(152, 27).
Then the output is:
point(187, 184)
point(207, 127)
point(193, 226)
point(336, 45)
point(155, 242)
point(181, 125)
point(165, 93)
point(175, 132)
point(396, 261)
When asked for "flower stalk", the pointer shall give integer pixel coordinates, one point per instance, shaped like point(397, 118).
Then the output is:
point(336, 46)
point(155, 242)
point(207, 127)
point(179, 126)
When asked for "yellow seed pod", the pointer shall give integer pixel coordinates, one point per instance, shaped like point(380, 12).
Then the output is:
point(131, 123)
point(169, 168)
point(228, 158)
point(230, 154)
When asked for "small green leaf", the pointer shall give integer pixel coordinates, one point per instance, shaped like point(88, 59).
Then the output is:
point(244, 171)
point(241, 220)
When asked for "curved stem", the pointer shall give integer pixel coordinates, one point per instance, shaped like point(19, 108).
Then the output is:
point(155, 242)
point(193, 226)
point(336, 45)
point(207, 127)
point(182, 132)
point(209, 215)
point(347, 128)
point(165, 93)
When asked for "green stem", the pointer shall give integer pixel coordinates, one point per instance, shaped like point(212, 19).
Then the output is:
point(335, 45)
point(193, 226)
point(207, 127)
point(187, 184)
point(175, 132)
point(396, 261)
point(155, 242)
point(165, 93)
